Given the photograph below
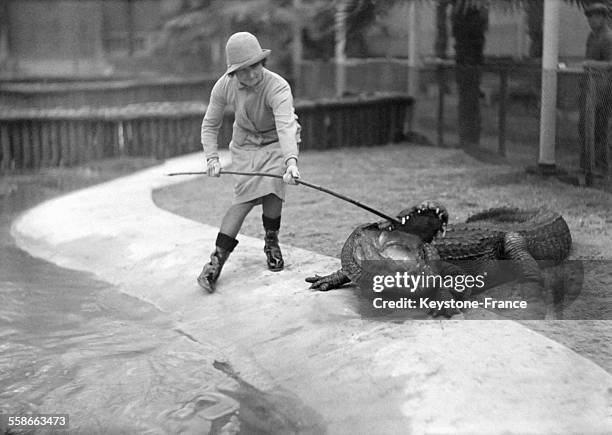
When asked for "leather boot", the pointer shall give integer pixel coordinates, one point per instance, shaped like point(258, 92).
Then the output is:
point(273, 252)
point(211, 271)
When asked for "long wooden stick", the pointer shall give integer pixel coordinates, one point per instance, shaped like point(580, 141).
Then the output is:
point(302, 182)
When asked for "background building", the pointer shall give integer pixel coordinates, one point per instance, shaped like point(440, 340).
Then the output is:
point(73, 37)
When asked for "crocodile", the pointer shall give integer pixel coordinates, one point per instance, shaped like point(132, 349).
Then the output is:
point(423, 243)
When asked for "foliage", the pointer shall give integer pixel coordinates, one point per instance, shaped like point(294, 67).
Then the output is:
point(188, 30)
point(193, 23)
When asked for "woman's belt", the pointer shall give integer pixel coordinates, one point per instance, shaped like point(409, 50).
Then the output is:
point(259, 139)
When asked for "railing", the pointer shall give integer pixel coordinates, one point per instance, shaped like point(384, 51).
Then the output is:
point(596, 108)
point(584, 95)
point(443, 68)
point(31, 139)
point(115, 92)
point(358, 121)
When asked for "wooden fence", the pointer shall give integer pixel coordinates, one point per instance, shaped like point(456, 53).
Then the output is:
point(35, 138)
point(585, 90)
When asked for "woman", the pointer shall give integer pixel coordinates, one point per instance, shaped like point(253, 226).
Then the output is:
point(265, 138)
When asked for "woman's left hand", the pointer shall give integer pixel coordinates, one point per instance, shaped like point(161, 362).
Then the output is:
point(291, 174)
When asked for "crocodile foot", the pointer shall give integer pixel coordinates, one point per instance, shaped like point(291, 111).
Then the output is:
point(328, 282)
point(446, 312)
point(444, 305)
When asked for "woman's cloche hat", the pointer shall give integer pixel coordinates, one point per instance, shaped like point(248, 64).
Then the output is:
point(243, 49)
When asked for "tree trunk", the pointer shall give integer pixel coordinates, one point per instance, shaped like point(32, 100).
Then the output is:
point(296, 55)
point(441, 44)
point(4, 39)
point(469, 24)
point(340, 47)
point(535, 20)
point(131, 34)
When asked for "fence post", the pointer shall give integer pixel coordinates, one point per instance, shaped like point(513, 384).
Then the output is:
point(340, 53)
point(26, 145)
point(440, 73)
point(36, 145)
point(17, 147)
point(5, 141)
point(503, 94)
point(546, 160)
point(606, 150)
point(413, 49)
point(589, 127)
point(45, 146)
point(55, 143)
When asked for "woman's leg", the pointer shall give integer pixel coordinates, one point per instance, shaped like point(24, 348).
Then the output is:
point(224, 245)
point(234, 217)
point(272, 207)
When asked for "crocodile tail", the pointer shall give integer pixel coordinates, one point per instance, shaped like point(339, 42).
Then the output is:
point(501, 214)
point(551, 240)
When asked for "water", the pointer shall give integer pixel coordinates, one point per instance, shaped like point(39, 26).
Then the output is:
point(72, 344)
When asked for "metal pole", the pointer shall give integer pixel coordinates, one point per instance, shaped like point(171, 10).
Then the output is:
point(413, 49)
point(440, 75)
point(413, 61)
point(589, 125)
point(546, 161)
point(297, 46)
point(340, 49)
point(503, 96)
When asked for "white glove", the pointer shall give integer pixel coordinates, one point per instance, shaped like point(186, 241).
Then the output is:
point(291, 174)
point(213, 167)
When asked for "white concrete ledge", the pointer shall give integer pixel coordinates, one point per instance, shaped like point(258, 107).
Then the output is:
point(361, 375)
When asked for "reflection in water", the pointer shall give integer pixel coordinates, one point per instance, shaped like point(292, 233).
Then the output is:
point(72, 344)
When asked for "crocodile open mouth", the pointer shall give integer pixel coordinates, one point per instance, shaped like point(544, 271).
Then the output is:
point(428, 209)
point(428, 217)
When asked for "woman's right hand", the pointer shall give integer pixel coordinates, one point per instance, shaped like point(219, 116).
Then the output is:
point(213, 167)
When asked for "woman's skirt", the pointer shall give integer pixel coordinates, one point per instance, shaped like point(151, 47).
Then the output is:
point(257, 158)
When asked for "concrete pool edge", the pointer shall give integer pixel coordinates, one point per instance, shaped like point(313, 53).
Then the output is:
point(361, 375)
